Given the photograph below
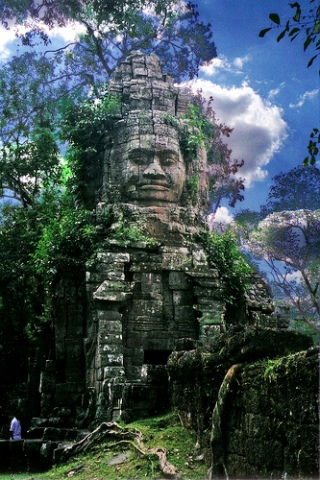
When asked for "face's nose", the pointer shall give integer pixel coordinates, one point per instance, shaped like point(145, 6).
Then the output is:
point(154, 169)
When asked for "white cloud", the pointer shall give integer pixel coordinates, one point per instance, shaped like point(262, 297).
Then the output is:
point(219, 220)
point(308, 95)
point(275, 91)
point(259, 129)
point(68, 34)
point(222, 64)
point(240, 61)
point(6, 36)
point(215, 65)
point(294, 277)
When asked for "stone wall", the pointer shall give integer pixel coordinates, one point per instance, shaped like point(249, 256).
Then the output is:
point(140, 302)
point(253, 399)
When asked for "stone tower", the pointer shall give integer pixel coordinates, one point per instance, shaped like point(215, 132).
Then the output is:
point(140, 298)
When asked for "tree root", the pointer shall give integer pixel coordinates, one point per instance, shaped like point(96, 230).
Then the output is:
point(218, 418)
point(119, 436)
point(166, 467)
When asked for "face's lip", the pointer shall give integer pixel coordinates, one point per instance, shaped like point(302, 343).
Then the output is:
point(159, 188)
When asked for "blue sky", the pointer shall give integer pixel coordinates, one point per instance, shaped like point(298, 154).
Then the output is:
point(261, 88)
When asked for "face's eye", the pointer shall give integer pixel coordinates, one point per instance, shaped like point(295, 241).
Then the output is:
point(138, 157)
point(169, 158)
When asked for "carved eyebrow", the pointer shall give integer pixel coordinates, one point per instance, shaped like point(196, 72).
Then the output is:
point(136, 151)
point(151, 151)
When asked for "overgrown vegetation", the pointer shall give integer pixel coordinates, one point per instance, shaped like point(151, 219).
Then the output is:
point(284, 235)
point(199, 129)
point(125, 234)
point(224, 254)
point(114, 461)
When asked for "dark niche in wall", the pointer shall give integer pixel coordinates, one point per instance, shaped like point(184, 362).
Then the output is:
point(156, 357)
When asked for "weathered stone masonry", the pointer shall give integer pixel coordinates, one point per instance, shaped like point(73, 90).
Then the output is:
point(115, 330)
point(138, 304)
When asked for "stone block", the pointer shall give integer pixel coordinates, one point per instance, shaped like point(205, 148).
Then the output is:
point(110, 360)
point(108, 296)
point(183, 314)
point(211, 318)
point(134, 374)
point(32, 446)
point(47, 382)
point(109, 327)
point(167, 297)
point(133, 356)
point(147, 325)
point(112, 339)
point(69, 394)
point(202, 292)
point(113, 372)
point(146, 308)
point(111, 348)
point(182, 297)
point(179, 281)
point(108, 314)
point(110, 257)
point(178, 259)
point(203, 271)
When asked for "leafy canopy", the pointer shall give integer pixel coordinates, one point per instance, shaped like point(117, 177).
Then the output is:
point(289, 243)
point(304, 23)
point(111, 30)
point(205, 132)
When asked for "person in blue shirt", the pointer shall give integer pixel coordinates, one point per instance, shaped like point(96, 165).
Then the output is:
point(15, 428)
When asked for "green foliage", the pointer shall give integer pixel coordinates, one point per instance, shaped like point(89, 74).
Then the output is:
point(164, 431)
point(192, 187)
point(21, 290)
point(294, 190)
point(67, 240)
point(200, 131)
point(313, 147)
point(288, 242)
point(82, 124)
point(270, 370)
point(111, 30)
point(302, 22)
point(306, 24)
point(125, 235)
point(224, 255)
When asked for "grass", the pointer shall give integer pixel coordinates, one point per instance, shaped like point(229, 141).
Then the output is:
point(164, 431)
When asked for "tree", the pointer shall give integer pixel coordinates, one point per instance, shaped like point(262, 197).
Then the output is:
point(291, 194)
point(289, 242)
point(221, 168)
point(294, 190)
point(304, 23)
point(111, 30)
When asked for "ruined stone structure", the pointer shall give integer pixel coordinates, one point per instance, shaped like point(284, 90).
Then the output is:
point(141, 298)
point(253, 399)
point(149, 295)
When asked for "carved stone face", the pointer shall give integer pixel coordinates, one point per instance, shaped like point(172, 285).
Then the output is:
point(152, 170)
